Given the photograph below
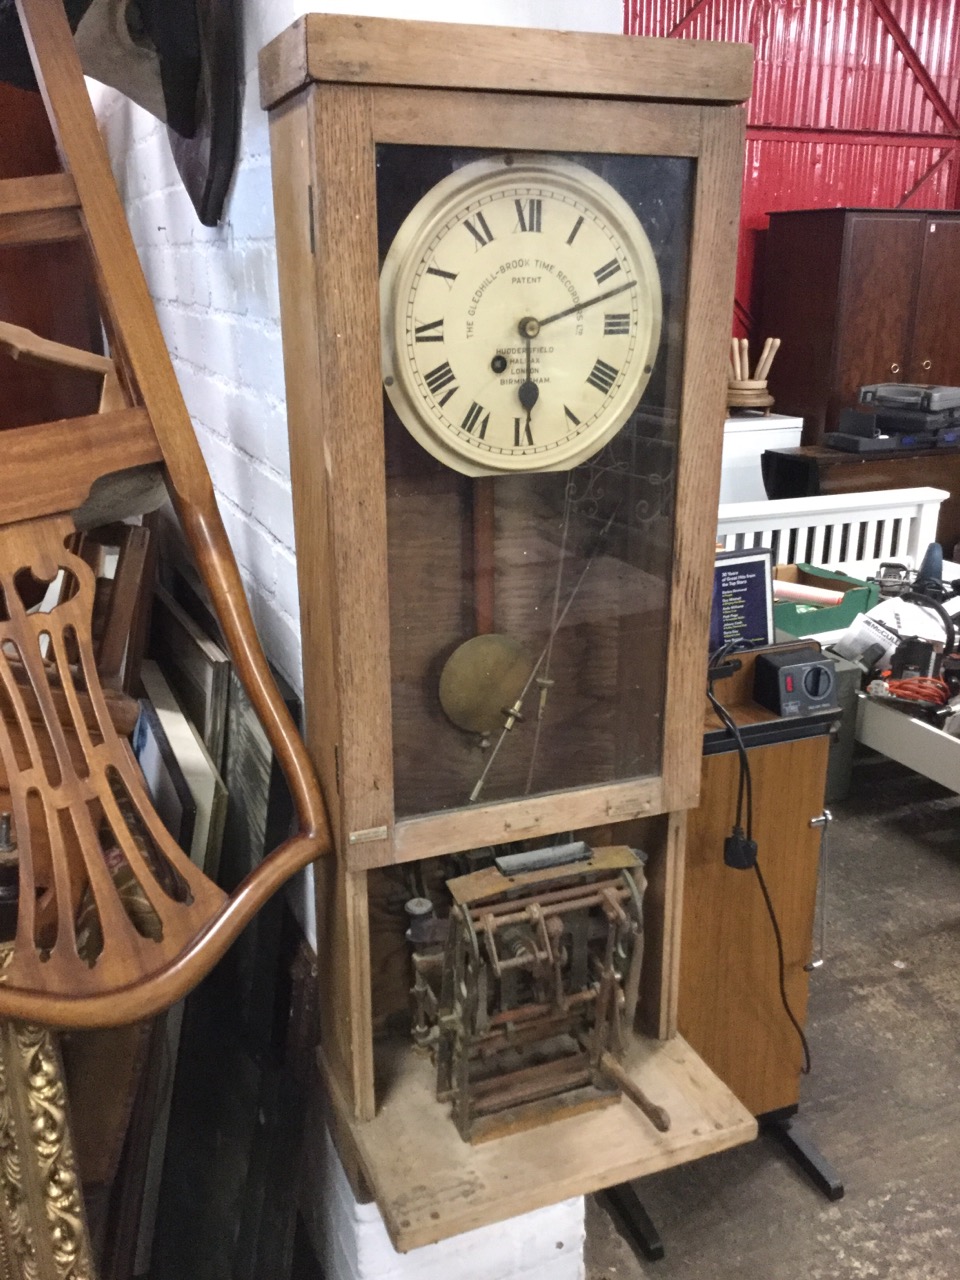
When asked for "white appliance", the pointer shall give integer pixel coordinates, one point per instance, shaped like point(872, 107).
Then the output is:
point(744, 439)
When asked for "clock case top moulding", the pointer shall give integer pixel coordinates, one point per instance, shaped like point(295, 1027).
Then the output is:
point(337, 88)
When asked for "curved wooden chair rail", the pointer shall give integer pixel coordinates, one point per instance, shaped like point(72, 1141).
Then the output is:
point(114, 921)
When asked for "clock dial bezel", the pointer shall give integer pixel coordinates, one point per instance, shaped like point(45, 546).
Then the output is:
point(473, 191)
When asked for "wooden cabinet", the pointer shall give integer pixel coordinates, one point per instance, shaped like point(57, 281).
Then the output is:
point(730, 1009)
point(813, 470)
point(858, 296)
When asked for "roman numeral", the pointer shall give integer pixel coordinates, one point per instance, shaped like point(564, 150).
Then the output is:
point(572, 416)
point(529, 215)
point(439, 378)
point(603, 376)
point(481, 232)
point(522, 435)
point(432, 332)
point(607, 270)
point(576, 227)
point(444, 275)
point(616, 322)
point(472, 418)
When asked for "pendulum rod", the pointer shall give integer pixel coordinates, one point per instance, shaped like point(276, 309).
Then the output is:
point(543, 679)
point(484, 534)
point(514, 711)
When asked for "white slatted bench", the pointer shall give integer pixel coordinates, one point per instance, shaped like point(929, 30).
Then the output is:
point(849, 532)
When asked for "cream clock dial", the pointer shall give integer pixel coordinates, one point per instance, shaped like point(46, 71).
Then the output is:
point(520, 315)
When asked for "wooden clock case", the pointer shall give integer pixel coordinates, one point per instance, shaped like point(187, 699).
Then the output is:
point(337, 88)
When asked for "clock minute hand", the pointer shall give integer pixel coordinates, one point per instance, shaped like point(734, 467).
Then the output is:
point(582, 306)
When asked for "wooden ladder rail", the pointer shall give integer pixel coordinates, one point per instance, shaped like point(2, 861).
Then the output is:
point(134, 977)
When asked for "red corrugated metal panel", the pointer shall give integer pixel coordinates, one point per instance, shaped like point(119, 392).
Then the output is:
point(855, 103)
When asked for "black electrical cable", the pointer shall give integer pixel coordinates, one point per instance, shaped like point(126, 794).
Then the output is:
point(746, 779)
point(807, 1062)
point(746, 789)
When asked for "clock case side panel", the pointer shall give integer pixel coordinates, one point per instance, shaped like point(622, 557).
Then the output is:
point(350, 403)
point(331, 570)
point(703, 409)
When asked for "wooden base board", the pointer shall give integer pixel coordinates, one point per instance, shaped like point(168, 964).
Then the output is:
point(430, 1184)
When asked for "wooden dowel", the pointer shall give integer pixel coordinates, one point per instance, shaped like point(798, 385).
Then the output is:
point(763, 368)
point(762, 361)
point(744, 359)
point(735, 359)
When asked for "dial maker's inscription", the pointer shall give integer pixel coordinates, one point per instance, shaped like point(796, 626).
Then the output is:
point(522, 271)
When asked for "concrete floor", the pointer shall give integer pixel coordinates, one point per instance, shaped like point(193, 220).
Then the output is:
point(883, 1101)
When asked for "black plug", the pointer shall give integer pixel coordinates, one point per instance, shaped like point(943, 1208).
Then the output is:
point(738, 851)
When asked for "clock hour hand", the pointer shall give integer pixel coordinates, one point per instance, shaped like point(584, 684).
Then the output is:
point(528, 392)
point(582, 306)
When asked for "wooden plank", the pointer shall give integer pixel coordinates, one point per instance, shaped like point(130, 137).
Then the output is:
point(84, 448)
point(39, 209)
point(709, 312)
point(347, 378)
point(42, 227)
point(919, 746)
point(291, 169)
point(489, 881)
point(662, 920)
point(24, 344)
point(46, 191)
point(430, 1184)
point(461, 119)
point(341, 900)
point(386, 51)
point(528, 819)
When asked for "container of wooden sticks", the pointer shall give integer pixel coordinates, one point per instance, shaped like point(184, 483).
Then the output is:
point(746, 390)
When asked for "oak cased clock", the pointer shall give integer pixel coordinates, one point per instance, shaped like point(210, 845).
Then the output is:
point(506, 282)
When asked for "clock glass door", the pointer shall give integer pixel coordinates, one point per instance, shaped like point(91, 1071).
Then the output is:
point(533, 335)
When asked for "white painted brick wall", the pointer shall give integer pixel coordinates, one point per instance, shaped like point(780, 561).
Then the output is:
point(216, 297)
point(352, 1241)
point(217, 301)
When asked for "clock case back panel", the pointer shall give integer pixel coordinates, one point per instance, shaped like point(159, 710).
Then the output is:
point(591, 546)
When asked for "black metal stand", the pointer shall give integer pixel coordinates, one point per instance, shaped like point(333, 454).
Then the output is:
point(632, 1220)
point(796, 1141)
point(636, 1226)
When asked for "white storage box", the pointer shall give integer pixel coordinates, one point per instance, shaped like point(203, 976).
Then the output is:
point(744, 439)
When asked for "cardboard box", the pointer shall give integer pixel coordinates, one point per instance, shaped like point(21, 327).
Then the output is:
point(802, 620)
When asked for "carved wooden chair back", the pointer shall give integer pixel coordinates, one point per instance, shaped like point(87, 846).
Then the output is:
point(114, 921)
